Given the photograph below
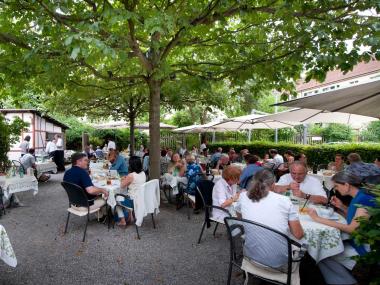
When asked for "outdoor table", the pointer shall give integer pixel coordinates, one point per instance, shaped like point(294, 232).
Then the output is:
point(17, 184)
point(172, 181)
point(323, 241)
point(324, 178)
point(113, 188)
point(99, 165)
point(47, 166)
point(6, 251)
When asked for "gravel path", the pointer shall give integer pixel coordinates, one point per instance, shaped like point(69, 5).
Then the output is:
point(168, 254)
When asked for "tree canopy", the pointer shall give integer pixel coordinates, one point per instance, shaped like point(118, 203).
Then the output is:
point(55, 46)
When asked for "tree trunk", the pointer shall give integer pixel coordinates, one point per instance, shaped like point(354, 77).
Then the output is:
point(132, 123)
point(154, 128)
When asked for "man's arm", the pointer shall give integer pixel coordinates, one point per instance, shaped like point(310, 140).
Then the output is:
point(93, 190)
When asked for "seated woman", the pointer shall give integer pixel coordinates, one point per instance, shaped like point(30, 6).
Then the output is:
point(134, 181)
point(192, 174)
point(260, 204)
point(176, 166)
point(223, 194)
point(334, 269)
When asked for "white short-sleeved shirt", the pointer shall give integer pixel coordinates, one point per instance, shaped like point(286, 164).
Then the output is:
point(274, 210)
point(50, 147)
point(277, 160)
point(220, 193)
point(310, 185)
point(111, 145)
point(59, 144)
point(24, 146)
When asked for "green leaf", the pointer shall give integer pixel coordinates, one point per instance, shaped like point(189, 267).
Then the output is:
point(75, 52)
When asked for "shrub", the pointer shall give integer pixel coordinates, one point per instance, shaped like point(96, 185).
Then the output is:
point(320, 154)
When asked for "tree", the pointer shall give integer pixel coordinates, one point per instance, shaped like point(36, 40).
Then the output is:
point(9, 134)
point(372, 132)
point(151, 42)
point(98, 103)
point(337, 132)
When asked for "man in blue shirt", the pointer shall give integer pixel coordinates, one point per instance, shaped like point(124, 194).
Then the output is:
point(118, 162)
point(249, 170)
point(78, 175)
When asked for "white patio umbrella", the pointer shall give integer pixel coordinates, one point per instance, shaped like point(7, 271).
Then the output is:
point(253, 121)
point(318, 116)
point(186, 129)
point(362, 99)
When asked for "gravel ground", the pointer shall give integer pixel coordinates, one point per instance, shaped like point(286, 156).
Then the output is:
point(168, 254)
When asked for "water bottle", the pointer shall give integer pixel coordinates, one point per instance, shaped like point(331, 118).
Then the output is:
point(21, 172)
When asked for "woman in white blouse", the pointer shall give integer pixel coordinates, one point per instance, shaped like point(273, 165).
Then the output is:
point(135, 182)
point(261, 205)
point(223, 193)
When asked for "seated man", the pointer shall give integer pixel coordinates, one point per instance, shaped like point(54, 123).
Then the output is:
point(301, 184)
point(250, 170)
point(99, 153)
point(377, 161)
point(223, 162)
point(29, 161)
point(360, 168)
point(78, 175)
point(216, 156)
point(338, 163)
point(277, 158)
point(118, 162)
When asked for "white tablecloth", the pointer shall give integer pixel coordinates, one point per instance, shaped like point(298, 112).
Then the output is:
point(17, 184)
point(46, 166)
point(323, 178)
point(112, 190)
point(172, 181)
point(6, 251)
point(323, 241)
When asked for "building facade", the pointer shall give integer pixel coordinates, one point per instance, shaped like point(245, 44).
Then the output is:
point(41, 129)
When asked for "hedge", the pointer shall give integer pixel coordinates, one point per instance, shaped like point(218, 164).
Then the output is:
point(316, 154)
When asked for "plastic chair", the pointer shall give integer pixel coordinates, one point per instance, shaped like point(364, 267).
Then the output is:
point(78, 197)
point(18, 165)
point(204, 189)
point(131, 209)
point(254, 248)
point(150, 203)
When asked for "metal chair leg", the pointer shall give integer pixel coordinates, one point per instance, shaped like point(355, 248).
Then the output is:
point(154, 224)
point(137, 229)
point(67, 221)
point(229, 273)
point(85, 229)
point(200, 236)
point(216, 226)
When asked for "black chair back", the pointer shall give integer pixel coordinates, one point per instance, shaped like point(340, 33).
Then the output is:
point(205, 192)
point(76, 194)
point(261, 244)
